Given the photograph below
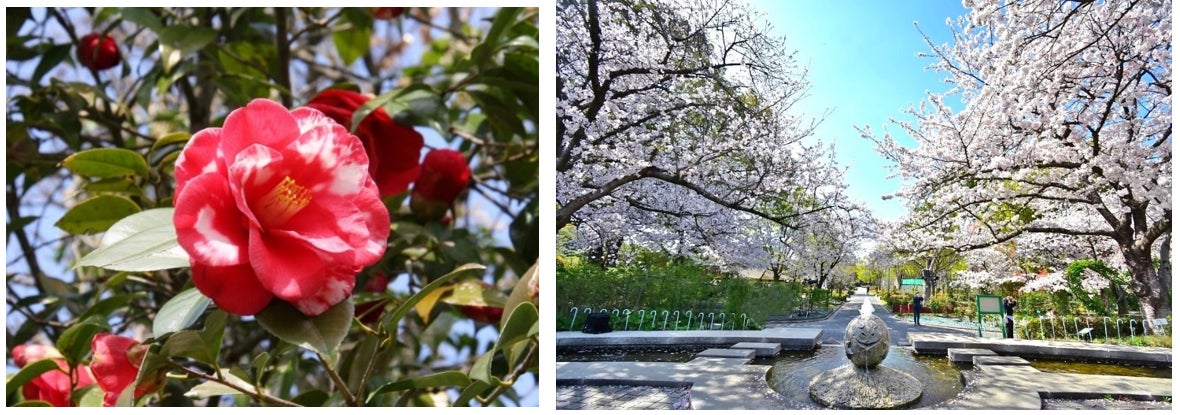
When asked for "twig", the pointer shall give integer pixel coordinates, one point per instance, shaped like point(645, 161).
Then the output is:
point(340, 383)
point(253, 394)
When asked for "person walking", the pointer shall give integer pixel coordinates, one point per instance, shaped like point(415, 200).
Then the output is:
point(918, 308)
point(1009, 320)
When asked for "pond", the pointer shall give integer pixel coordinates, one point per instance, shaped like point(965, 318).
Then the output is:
point(791, 372)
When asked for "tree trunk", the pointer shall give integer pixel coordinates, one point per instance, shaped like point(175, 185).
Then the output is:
point(1149, 284)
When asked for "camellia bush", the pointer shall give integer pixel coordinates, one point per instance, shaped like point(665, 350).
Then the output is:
point(272, 207)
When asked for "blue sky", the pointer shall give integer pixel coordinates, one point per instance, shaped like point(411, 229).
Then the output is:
point(864, 66)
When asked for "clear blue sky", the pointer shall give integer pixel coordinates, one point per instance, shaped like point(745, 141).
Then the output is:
point(864, 66)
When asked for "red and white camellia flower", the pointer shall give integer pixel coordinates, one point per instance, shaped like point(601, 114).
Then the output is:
point(116, 364)
point(277, 203)
point(52, 386)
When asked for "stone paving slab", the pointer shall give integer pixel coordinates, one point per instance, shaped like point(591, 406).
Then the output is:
point(938, 343)
point(999, 360)
point(728, 353)
point(1024, 387)
point(760, 349)
point(788, 338)
point(601, 397)
point(713, 386)
point(965, 355)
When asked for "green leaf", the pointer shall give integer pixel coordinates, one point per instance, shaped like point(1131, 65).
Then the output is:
point(122, 185)
point(33, 404)
point(321, 334)
point(108, 305)
point(180, 312)
point(410, 303)
point(167, 144)
point(28, 373)
point(96, 214)
point(211, 388)
point(106, 162)
point(434, 380)
point(312, 398)
point(142, 17)
point(521, 293)
point(145, 241)
point(92, 397)
point(481, 370)
point(74, 343)
point(203, 346)
point(474, 389)
point(177, 42)
point(352, 37)
point(519, 323)
point(50, 59)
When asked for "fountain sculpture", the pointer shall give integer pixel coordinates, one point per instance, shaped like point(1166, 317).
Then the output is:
point(864, 384)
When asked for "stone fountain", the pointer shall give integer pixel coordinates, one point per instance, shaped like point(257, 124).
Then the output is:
point(863, 384)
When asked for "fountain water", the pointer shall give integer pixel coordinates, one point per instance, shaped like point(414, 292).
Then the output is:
point(864, 384)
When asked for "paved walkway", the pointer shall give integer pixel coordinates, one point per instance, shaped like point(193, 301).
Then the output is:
point(730, 384)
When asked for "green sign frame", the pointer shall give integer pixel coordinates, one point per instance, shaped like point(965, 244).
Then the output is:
point(987, 304)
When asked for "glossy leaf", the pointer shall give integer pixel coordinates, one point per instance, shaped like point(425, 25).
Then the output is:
point(434, 380)
point(520, 321)
point(312, 398)
point(177, 42)
point(405, 307)
point(352, 39)
point(145, 241)
point(74, 343)
point(28, 373)
point(211, 388)
point(96, 214)
point(471, 391)
point(106, 162)
point(321, 334)
point(522, 292)
point(180, 312)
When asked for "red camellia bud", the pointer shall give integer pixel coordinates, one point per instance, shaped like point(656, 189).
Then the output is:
point(388, 12)
point(98, 51)
point(444, 174)
point(486, 314)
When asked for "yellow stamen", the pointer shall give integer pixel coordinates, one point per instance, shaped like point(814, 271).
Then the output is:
point(283, 202)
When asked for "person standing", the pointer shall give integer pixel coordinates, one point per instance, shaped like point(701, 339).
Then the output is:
point(1009, 320)
point(918, 308)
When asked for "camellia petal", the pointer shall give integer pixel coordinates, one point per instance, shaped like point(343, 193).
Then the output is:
point(199, 157)
point(337, 288)
point(234, 289)
point(262, 122)
point(287, 267)
point(208, 223)
point(112, 367)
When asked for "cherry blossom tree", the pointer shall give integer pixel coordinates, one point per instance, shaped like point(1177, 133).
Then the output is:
point(1058, 121)
point(674, 124)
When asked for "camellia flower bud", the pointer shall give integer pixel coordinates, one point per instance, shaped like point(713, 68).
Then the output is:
point(52, 386)
point(98, 51)
point(116, 365)
point(444, 175)
point(388, 12)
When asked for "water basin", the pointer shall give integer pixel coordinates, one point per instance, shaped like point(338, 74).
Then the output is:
point(792, 372)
